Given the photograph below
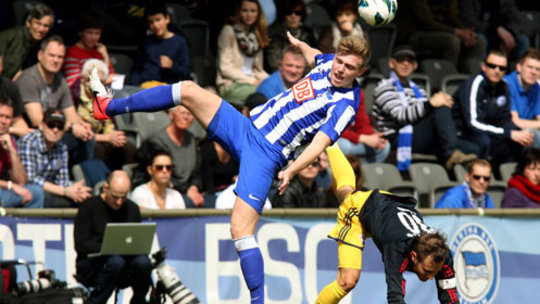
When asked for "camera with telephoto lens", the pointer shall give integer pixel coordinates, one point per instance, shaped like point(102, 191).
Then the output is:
point(46, 279)
point(169, 283)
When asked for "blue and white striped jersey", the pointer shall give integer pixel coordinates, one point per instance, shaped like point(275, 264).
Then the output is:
point(293, 117)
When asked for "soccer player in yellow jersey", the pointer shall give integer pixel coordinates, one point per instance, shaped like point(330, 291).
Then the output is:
point(398, 231)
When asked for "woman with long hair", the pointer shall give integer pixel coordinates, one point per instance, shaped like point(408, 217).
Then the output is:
point(240, 53)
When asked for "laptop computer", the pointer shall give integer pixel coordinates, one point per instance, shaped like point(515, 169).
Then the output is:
point(127, 239)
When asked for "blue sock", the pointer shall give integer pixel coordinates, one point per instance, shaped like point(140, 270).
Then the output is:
point(149, 100)
point(252, 265)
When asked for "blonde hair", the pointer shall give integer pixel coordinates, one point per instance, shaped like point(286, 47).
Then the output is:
point(355, 45)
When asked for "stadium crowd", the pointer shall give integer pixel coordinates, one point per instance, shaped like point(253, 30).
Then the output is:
point(457, 84)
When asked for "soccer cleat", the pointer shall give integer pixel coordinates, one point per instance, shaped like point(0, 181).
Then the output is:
point(102, 96)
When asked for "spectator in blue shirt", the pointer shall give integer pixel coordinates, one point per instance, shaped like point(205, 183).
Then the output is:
point(525, 94)
point(290, 70)
point(472, 193)
point(164, 55)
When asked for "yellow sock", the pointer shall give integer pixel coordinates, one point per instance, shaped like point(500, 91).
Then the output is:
point(331, 294)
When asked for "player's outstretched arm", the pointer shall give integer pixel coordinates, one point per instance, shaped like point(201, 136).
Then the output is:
point(309, 52)
point(342, 171)
point(313, 150)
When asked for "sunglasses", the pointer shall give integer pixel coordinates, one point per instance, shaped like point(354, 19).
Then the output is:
point(55, 124)
point(478, 177)
point(167, 168)
point(501, 68)
point(315, 164)
point(297, 13)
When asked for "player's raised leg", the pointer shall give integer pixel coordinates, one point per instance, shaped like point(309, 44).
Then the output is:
point(243, 222)
point(200, 102)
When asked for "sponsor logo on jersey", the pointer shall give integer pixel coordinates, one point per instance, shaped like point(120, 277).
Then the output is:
point(476, 263)
point(303, 90)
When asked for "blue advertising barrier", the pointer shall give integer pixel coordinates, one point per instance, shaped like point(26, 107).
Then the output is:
point(497, 259)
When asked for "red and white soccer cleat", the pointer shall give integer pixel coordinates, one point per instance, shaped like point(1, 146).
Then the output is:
point(102, 96)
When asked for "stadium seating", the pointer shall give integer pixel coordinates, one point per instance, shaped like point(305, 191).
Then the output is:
point(203, 69)
point(530, 24)
point(178, 13)
point(381, 39)
point(316, 15)
point(197, 33)
point(122, 64)
point(431, 180)
point(506, 170)
point(369, 83)
point(149, 123)
point(387, 177)
point(436, 69)
point(450, 83)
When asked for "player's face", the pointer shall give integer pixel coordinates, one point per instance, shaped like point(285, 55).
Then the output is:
point(6, 117)
point(292, 67)
point(52, 58)
point(426, 269)
point(345, 69)
point(181, 117)
point(249, 12)
point(478, 179)
point(158, 24)
point(90, 37)
point(532, 172)
point(39, 28)
point(529, 71)
point(161, 169)
point(403, 66)
point(494, 68)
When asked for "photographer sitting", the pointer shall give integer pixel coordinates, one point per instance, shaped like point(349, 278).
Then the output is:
point(106, 273)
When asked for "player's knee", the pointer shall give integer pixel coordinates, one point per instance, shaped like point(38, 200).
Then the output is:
point(188, 89)
point(347, 280)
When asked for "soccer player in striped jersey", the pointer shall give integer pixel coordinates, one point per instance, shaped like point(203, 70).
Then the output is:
point(398, 231)
point(298, 123)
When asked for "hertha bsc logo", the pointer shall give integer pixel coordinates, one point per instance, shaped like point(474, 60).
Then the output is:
point(476, 262)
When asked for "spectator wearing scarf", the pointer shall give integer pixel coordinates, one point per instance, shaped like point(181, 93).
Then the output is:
point(523, 189)
point(472, 193)
point(240, 55)
point(411, 120)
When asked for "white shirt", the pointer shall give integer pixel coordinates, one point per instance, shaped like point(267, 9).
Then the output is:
point(142, 196)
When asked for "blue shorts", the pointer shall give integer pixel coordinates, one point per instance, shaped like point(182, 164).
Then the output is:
point(259, 159)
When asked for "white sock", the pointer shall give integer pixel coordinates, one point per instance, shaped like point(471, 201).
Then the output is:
point(176, 93)
point(245, 243)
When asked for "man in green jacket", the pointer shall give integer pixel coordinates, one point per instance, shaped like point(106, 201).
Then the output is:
point(16, 42)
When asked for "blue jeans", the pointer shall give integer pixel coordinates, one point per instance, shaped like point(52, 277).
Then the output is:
point(361, 150)
point(10, 199)
point(106, 273)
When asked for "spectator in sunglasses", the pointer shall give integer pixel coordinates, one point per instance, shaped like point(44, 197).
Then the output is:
point(158, 193)
point(482, 116)
point(525, 94)
point(303, 192)
point(45, 159)
point(289, 20)
point(523, 189)
point(472, 193)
